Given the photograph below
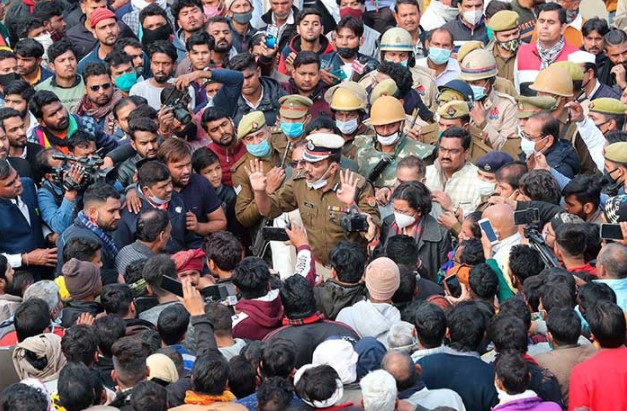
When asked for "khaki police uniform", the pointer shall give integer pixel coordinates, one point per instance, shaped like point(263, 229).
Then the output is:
point(321, 222)
point(423, 83)
point(501, 122)
point(504, 20)
point(293, 106)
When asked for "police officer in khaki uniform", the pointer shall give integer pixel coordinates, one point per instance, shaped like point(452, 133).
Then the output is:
point(322, 197)
point(290, 123)
point(501, 84)
point(349, 104)
point(555, 81)
point(399, 41)
point(526, 107)
point(254, 133)
point(455, 114)
point(493, 112)
point(506, 41)
point(387, 117)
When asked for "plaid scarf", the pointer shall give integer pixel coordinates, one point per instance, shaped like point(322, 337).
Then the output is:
point(86, 108)
point(548, 56)
point(313, 318)
point(102, 235)
point(192, 397)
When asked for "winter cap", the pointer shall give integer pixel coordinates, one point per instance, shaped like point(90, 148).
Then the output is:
point(616, 209)
point(371, 353)
point(382, 278)
point(101, 14)
point(82, 278)
point(340, 355)
point(162, 368)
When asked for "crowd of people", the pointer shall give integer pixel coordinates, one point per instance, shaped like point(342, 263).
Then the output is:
point(313, 205)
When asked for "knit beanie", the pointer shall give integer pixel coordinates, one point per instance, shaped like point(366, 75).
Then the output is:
point(82, 278)
point(101, 14)
point(382, 278)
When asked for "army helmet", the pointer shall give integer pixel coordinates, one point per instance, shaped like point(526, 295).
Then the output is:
point(478, 65)
point(553, 80)
point(386, 110)
point(344, 99)
point(453, 90)
point(398, 39)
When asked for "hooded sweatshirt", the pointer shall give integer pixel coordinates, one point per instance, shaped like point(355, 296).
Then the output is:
point(294, 47)
point(526, 401)
point(256, 318)
point(332, 297)
point(370, 319)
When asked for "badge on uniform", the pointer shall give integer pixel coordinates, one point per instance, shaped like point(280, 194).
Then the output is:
point(371, 201)
point(421, 90)
point(494, 113)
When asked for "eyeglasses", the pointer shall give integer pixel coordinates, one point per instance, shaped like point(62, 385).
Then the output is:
point(105, 86)
point(297, 163)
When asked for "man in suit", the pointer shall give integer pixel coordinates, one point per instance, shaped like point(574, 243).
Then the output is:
point(23, 240)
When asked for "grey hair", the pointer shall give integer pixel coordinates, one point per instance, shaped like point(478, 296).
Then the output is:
point(614, 258)
point(46, 290)
point(400, 338)
point(378, 390)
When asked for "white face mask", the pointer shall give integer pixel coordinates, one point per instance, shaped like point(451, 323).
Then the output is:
point(387, 140)
point(485, 188)
point(347, 127)
point(404, 220)
point(45, 40)
point(527, 146)
point(473, 17)
point(318, 184)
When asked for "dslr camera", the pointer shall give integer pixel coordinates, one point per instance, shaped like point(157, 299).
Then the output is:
point(354, 222)
point(178, 101)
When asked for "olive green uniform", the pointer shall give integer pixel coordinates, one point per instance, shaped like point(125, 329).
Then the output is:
point(505, 66)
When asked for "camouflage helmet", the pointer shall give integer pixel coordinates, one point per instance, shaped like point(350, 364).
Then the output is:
point(553, 80)
point(386, 110)
point(478, 65)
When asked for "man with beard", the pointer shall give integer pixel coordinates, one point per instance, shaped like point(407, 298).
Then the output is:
point(19, 164)
point(346, 57)
point(189, 17)
point(10, 296)
point(162, 65)
point(145, 142)
point(51, 13)
point(13, 124)
point(205, 214)
point(29, 57)
point(615, 48)
point(100, 97)
point(306, 82)
point(57, 126)
point(107, 31)
point(310, 38)
point(133, 48)
point(17, 95)
point(241, 12)
point(97, 220)
point(65, 83)
point(23, 238)
point(221, 130)
point(155, 190)
point(593, 32)
point(219, 28)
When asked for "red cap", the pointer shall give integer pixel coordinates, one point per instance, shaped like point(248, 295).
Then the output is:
point(188, 260)
point(101, 14)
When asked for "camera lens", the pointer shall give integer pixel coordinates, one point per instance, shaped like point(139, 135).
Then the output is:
point(182, 115)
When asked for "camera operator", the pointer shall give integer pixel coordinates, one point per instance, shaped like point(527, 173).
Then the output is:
point(57, 204)
point(325, 185)
point(175, 117)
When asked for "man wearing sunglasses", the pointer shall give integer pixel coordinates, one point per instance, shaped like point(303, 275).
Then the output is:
point(100, 97)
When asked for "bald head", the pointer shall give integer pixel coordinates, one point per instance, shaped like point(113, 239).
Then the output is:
point(501, 217)
point(613, 261)
point(402, 368)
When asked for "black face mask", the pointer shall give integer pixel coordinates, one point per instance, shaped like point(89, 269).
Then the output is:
point(161, 33)
point(6, 79)
point(188, 133)
point(347, 52)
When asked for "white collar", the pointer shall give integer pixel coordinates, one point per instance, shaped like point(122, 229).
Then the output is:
point(290, 19)
point(504, 397)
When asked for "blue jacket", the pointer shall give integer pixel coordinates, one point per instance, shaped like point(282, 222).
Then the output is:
point(17, 235)
point(180, 238)
point(56, 211)
point(226, 98)
point(562, 157)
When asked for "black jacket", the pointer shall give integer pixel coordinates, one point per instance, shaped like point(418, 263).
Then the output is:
point(562, 157)
point(84, 42)
point(332, 296)
point(74, 309)
point(269, 104)
point(288, 32)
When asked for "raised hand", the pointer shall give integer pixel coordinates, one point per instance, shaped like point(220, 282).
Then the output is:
point(348, 187)
point(275, 178)
point(258, 181)
point(297, 235)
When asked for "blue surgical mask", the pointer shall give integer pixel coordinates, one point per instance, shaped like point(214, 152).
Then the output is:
point(292, 130)
point(438, 55)
point(259, 150)
point(126, 81)
point(478, 92)
point(402, 63)
point(490, 33)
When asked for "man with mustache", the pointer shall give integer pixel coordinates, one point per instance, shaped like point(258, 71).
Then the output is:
point(162, 65)
point(189, 18)
point(65, 83)
point(145, 142)
point(19, 147)
point(107, 31)
point(220, 29)
point(19, 164)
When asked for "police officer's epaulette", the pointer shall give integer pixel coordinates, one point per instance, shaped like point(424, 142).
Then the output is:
point(506, 96)
point(275, 129)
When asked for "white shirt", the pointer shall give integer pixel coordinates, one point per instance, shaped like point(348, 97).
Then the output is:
point(153, 94)
point(451, 72)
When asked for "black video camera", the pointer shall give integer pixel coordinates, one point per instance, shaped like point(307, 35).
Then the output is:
point(178, 101)
point(92, 174)
point(354, 222)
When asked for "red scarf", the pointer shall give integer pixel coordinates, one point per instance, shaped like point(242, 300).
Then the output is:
point(313, 318)
point(30, 4)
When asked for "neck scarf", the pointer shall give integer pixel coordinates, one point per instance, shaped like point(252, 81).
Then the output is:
point(102, 234)
point(313, 318)
point(86, 108)
point(192, 397)
point(548, 56)
point(30, 4)
point(46, 346)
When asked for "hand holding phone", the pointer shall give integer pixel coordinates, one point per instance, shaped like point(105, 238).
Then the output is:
point(487, 228)
point(611, 232)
